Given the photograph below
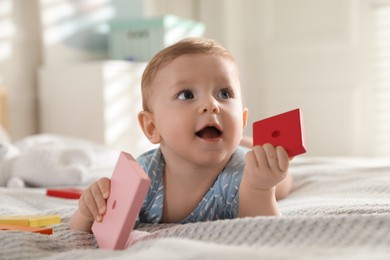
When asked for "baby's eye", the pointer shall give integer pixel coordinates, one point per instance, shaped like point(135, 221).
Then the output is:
point(225, 94)
point(185, 94)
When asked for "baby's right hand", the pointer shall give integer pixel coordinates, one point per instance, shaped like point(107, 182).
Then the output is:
point(92, 203)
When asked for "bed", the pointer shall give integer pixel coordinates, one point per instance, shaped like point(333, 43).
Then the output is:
point(338, 209)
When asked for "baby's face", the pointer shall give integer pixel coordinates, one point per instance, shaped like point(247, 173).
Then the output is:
point(197, 106)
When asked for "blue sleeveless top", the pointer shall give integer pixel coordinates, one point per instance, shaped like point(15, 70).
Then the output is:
point(220, 202)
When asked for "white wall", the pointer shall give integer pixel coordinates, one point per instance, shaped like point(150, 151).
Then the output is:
point(19, 57)
point(37, 32)
point(311, 54)
point(316, 57)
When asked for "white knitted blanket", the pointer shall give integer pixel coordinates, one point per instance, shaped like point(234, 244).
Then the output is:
point(339, 209)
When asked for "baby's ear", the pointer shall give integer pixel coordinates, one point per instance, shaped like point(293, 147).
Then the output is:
point(245, 117)
point(146, 121)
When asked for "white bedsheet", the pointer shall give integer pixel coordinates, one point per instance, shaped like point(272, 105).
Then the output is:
point(339, 209)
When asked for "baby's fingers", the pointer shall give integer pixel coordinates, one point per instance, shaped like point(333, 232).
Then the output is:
point(104, 186)
point(95, 198)
point(100, 193)
point(100, 203)
point(272, 157)
point(283, 159)
point(88, 205)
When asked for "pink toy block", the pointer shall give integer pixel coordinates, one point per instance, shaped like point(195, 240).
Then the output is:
point(129, 185)
point(284, 130)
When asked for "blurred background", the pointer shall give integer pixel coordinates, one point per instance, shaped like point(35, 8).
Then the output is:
point(73, 67)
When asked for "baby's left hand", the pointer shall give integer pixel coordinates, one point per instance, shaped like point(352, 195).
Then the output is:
point(265, 167)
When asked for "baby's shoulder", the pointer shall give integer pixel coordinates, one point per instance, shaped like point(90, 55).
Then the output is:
point(237, 158)
point(151, 161)
point(234, 167)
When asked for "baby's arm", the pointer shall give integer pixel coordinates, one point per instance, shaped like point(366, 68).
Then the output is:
point(266, 166)
point(92, 205)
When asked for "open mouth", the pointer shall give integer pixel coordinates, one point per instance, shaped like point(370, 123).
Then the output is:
point(209, 132)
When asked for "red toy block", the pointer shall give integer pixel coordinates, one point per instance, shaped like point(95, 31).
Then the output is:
point(66, 193)
point(284, 130)
point(129, 185)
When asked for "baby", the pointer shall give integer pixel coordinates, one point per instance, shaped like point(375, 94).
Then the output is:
point(192, 108)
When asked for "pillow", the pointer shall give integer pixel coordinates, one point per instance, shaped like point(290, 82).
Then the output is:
point(98, 159)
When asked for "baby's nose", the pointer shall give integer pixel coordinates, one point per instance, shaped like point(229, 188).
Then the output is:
point(211, 106)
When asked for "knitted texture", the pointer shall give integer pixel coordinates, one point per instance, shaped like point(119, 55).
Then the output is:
point(339, 209)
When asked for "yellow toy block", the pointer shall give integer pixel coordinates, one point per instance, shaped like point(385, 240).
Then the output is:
point(30, 220)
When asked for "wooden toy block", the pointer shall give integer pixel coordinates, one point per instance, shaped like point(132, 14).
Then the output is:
point(30, 220)
point(284, 130)
point(14, 220)
point(41, 230)
point(129, 185)
point(66, 193)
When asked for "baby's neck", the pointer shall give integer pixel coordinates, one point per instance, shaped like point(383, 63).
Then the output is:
point(184, 189)
point(191, 178)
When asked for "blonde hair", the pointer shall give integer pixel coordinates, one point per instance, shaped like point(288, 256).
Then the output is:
point(185, 46)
